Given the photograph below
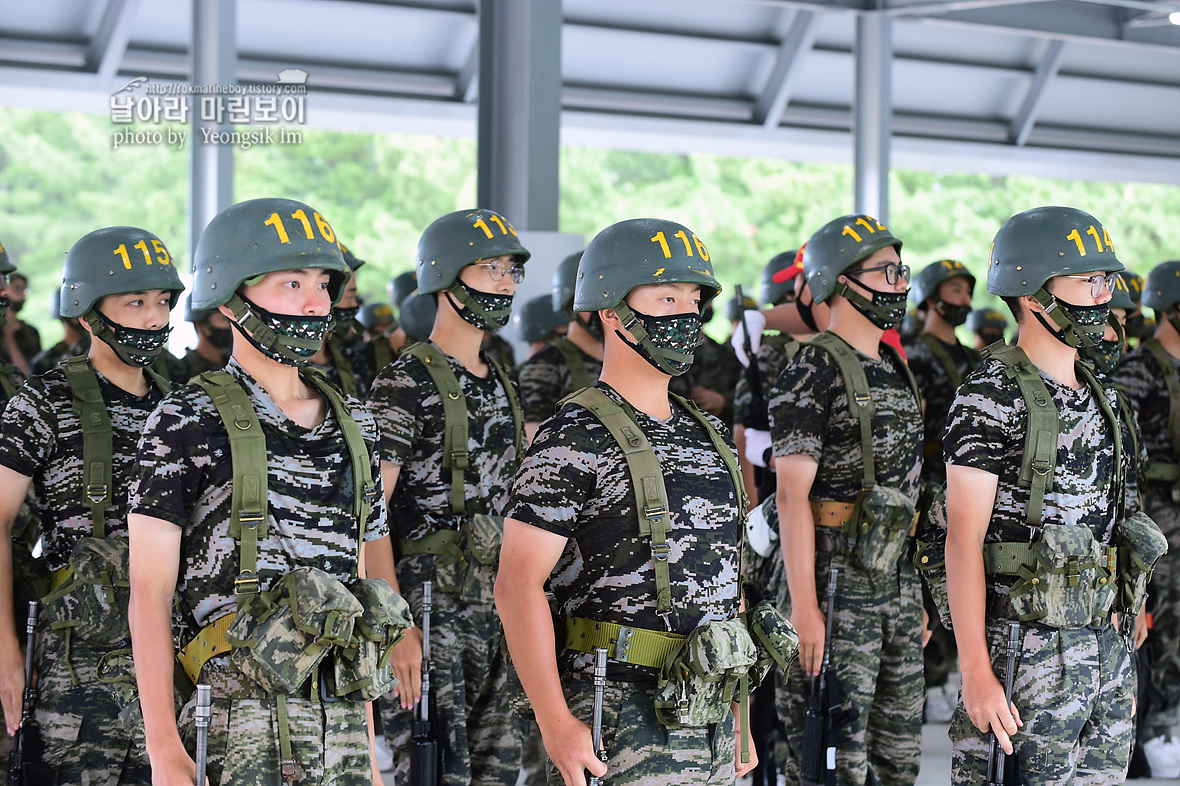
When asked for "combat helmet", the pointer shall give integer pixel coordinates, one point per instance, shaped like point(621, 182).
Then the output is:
point(774, 286)
point(537, 319)
point(246, 241)
point(401, 286)
point(417, 316)
point(6, 267)
point(639, 252)
point(837, 246)
point(926, 283)
point(1162, 292)
point(112, 261)
point(373, 314)
point(565, 278)
point(982, 320)
point(737, 306)
point(350, 259)
point(1040, 244)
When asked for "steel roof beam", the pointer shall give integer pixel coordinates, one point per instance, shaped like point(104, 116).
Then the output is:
point(777, 92)
point(1045, 72)
point(106, 49)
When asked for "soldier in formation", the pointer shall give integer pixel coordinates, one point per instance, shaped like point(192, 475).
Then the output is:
point(76, 427)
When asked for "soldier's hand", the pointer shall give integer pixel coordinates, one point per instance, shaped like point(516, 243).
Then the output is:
point(983, 698)
point(927, 631)
point(1141, 628)
point(174, 767)
point(406, 662)
point(740, 770)
point(12, 685)
point(810, 625)
point(570, 747)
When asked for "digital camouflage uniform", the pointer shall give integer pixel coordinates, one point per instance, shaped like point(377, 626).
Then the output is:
point(574, 482)
point(716, 367)
point(545, 379)
point(938, 391)
point(41, 437)
point(1140, 377)
point(1073, 686)
point(480, 735)
point(195, 365)
point(185, 477)
point(877, 632)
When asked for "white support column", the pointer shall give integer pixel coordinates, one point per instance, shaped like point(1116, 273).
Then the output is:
point(873, 113)
point(214, 61)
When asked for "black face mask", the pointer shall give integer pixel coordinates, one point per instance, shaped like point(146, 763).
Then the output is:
point(5, 304)
point(221, 338)
point(955, 315)
point(1136, 325)
point(16, 306)
point(592, 323)
point(991, 338)
point(485, 310)
point(133, 346)
point(886, 309)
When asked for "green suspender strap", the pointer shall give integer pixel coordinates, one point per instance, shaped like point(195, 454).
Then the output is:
point(579, 376)
point(938, 349)
point(1159, 470)
point(343, 366)
point(860, 400)
point(7, 386)
point(513, 404)
point(382, 353)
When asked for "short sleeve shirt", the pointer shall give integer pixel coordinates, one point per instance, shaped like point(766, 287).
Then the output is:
point(1140, 376)
point(810, 415)
point(185, 477)
point(545, 379)
point(574, 482)
point(409, 409)
point(986, 431)
point(935, 385)
point(41, 437)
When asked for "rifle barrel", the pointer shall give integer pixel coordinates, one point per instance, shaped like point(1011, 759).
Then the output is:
point(203, 712)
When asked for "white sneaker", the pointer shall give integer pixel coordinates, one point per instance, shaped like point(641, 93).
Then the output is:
point(383, 754)
point(1163, 756)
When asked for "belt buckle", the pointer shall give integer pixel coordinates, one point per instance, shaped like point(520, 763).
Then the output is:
point(622, 645)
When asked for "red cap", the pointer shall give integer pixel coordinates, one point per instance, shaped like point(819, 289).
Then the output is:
point(787, 273)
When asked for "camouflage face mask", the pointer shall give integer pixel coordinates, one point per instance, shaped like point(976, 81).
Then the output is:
point(667, 343)
point(1105, 354)
point(1084, 324)
point(291, 340)
point(484, 310)
point(134, 346)
point(886, 309)
point(343, 319)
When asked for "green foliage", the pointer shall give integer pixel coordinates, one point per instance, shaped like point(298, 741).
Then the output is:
point(60, 178)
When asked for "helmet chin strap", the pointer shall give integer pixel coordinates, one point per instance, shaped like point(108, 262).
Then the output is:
point(257, 331)
point(458, 292)
point(1069, 334)
point(1173, 315)
point(661, 358)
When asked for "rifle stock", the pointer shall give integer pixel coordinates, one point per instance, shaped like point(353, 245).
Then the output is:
point(826, 713)
point(203, 712)
point(424, 748)
point(1002, 770)
point(25, 756)
point(599, 691)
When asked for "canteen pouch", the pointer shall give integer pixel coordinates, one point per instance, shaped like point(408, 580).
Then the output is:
point(1069, 586)
point(706, 672)
point(361, 672)
point(482, 536)
point(280, 636)
point(775, 641)
point(1140, 544)
point(92, 605)
point(930, 555)
point(880, 529)
point(116, 672)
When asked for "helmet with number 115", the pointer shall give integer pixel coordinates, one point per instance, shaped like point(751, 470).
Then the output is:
point(640, 252)
point(113, 261)
point(245, 242)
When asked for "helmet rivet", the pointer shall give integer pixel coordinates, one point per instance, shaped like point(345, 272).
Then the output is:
point(73, 286)
point(605, 294)
point(208, 270)
point(213, 285)
point(600, 277)
point(111, 273)
point(1020, 267)
point(1060, 253)
point(433, 262)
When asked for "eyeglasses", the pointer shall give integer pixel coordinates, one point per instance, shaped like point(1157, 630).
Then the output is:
point(893, 272)
point(497, 271)
point(1098, 282)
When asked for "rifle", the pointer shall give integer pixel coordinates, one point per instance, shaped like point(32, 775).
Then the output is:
point(424, 748)
point(1002, 770)
point(757, 417)
point(826, 712)
point(203, 711)
point(599, 689)
point(25, 756)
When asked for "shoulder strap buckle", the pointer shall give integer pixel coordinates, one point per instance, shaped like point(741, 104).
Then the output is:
point(246, 583)
point(96, 493)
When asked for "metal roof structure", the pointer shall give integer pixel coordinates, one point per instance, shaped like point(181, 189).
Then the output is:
point(1074, 89)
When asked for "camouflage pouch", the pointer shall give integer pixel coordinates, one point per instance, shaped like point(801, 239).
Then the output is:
point(361, 672)
point(706, 672)
point(280, 636)
point(881, 531)
point(483, 535)
point(116, 671)
point(1140, 544)
point(93, 601)
point(1068, 586)
point(775, 640)
point(930, 556)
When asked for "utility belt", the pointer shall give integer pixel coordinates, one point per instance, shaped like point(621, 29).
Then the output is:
point(308, 635)
point(1064, 579)
point(877, 527)
point(702, 673)
point(460, 555)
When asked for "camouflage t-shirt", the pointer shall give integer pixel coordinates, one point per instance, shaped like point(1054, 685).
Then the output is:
point(935, 384)
point(185, 477)
point(986, 430)
point(1140, 376)
point(195, 365)
point(545, 379)
point(810, 415)
point(772, 357)
point(574, 482)
point(409, 409)
point(41, 437)
point(715, 366)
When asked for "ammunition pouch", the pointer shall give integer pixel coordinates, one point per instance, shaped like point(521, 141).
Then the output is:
point(707, 671)
point(877, 535)
point(280, 636)
point(1140, 544)
point(361, 672)
point(1063, 580)
point(460, 554)
point(930, 554)
point(775, 640)
point(116, 671)
point(91, 602)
